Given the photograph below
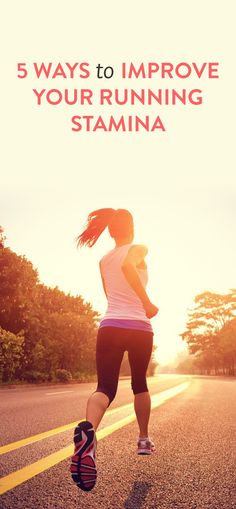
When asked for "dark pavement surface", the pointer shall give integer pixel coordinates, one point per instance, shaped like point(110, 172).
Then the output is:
point(37, 409)
point(193, 468)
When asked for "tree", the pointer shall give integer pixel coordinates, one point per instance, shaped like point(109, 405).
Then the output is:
point(204, 328)
point(59, 329)
point(210, 314)
point(68, 342)
point(227, 346)
point(18, 280)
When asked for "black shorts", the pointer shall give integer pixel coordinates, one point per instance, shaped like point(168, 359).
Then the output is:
point(112, 342)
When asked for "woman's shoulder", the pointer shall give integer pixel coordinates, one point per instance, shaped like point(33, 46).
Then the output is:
point(139, 248)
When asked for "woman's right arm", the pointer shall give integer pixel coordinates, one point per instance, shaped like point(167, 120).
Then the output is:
point(134, 257)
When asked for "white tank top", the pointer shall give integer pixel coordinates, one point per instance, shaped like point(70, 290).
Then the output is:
point(123, 303)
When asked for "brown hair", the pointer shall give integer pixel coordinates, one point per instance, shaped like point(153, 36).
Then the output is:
point(119, 223)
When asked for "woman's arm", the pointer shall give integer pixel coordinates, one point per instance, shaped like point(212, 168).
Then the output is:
point(135, 257)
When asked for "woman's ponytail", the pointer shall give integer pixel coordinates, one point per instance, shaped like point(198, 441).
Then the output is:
point(97, 221)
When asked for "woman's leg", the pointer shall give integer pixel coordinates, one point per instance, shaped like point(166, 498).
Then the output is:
point(109, 354)
point(140, 350)
point(142, 407)
point(96, 407)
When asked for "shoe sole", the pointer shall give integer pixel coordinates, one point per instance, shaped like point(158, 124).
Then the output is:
point(83, 467)
point(144, 452)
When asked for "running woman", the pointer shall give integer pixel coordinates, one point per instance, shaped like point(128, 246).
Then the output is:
point(124, 327)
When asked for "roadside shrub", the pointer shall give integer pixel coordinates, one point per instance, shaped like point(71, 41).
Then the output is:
point(85, 377)
point(35, 377)
point(11, 354)
point(62, 375)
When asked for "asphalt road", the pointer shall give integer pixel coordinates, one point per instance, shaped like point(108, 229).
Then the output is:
point(193, 467)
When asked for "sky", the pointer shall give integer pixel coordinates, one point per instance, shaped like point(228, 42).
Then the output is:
point(179, 184)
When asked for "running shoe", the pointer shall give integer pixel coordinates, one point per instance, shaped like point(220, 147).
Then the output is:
point(145, 446)
point(83, 466)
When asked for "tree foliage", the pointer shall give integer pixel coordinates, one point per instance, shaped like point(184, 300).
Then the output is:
point(53, 330)
point(11, 354)
point(211, 332)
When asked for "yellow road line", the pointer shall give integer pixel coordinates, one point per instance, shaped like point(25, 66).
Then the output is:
point(36, 438)
point(24, 474)
point(61, 429)
point(47, 434)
